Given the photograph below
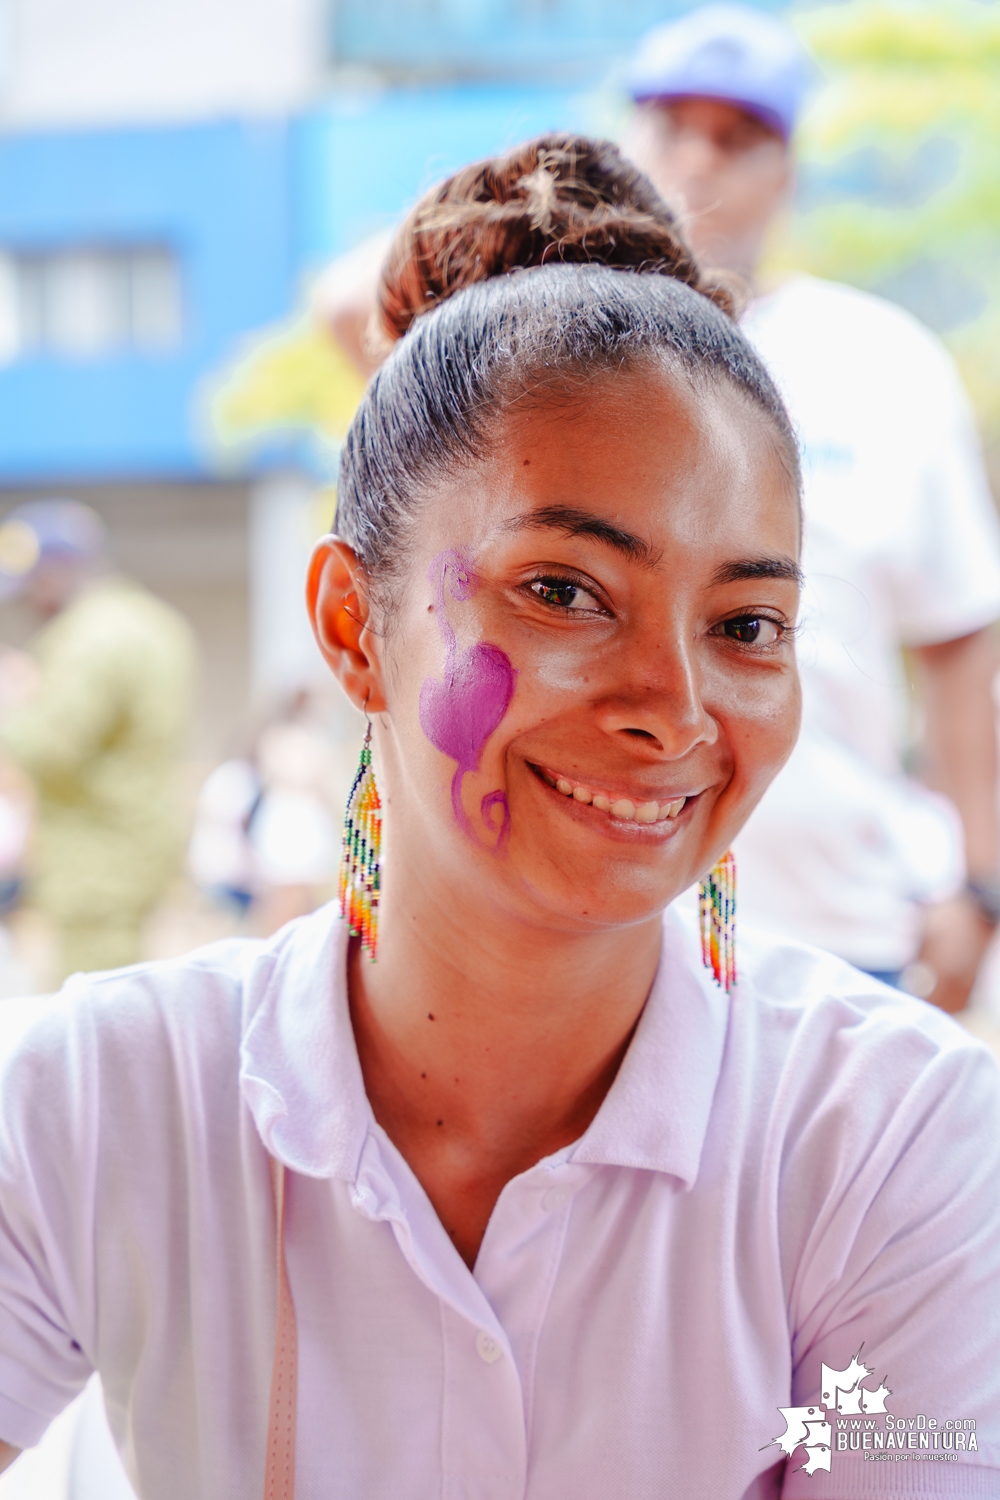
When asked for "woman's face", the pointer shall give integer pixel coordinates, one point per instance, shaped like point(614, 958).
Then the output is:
point(589, 677)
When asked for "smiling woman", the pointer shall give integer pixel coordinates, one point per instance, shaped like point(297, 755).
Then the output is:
point(582, 477)
point(537, 1208)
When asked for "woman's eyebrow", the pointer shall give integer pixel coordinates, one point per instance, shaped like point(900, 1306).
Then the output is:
point(572, 522)
point(758, 567)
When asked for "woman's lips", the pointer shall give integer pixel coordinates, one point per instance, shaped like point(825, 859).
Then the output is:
point(622, 809)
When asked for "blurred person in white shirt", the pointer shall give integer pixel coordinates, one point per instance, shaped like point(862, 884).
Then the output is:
point(902, 545)
point(266, 835)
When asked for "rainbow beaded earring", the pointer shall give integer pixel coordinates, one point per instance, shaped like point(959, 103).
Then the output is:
point(717, 919)
point(361, 848)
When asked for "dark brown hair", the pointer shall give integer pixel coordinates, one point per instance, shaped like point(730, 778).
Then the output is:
point(560, 198)
point(518, 279)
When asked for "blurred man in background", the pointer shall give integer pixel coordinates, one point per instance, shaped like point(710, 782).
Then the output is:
point(901, 552)
point(98, 727)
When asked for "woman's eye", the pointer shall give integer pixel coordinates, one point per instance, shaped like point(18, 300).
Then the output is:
point(752, 630)
point(563, 593)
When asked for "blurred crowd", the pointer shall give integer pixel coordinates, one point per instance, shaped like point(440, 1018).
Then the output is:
point(266, 838)
point(94, 722)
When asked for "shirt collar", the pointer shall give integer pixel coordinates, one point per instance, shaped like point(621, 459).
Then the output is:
point(656, 1113)
point(299, 1068)
point(302, 1082)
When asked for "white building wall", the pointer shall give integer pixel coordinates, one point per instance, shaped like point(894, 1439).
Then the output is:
point(287, 517)
point(286, 521)
point(71, 63)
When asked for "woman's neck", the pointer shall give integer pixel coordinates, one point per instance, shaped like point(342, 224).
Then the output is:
point(486, 1044)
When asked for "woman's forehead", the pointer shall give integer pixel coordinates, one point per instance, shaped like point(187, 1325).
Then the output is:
point(653, 459)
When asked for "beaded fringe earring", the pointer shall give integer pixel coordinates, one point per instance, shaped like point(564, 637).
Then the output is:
point(717, 918)
point(361, 848)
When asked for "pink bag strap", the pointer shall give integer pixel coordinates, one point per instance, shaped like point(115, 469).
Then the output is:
point(279, 1469)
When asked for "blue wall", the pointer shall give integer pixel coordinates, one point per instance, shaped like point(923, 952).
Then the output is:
point(362, 160)
point(221, 196)
point(549, 39)
point(250, 211)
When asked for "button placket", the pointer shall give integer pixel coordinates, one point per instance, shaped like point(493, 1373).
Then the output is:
point(483, 1434)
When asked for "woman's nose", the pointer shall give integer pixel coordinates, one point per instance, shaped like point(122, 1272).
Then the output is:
point(665, 709)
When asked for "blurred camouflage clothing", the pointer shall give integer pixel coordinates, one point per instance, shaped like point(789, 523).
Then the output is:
point(101, 741)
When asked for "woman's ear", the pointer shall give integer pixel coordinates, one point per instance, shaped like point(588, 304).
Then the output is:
point(340, 611)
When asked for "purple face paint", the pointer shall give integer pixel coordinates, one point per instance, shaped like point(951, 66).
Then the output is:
point(459, 714)
point(489, 802)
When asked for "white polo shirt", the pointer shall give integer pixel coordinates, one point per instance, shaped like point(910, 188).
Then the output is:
point(901, 548)
point(772, 1182)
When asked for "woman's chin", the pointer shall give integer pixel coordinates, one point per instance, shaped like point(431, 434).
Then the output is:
point(615, 890)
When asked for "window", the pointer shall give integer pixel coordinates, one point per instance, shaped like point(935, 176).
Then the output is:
point(87, 302)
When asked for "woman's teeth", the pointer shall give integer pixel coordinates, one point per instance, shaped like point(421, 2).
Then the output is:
point(621, 807)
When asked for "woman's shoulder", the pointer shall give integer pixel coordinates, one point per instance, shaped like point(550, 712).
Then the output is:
point(795, 986)
point(861, 1116)
point(147, 1041)
point(815, 1018)
point(196, 997)
point(836, 1045)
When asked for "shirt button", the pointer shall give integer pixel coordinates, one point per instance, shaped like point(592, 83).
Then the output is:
point(555, 1198)
point(487, 1348)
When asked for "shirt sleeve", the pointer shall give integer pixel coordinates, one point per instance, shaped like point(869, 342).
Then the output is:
point(898, 1265)
point(47, 1169)
point(946, 580)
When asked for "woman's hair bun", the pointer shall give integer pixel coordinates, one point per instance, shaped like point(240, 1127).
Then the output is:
point(555, 199)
